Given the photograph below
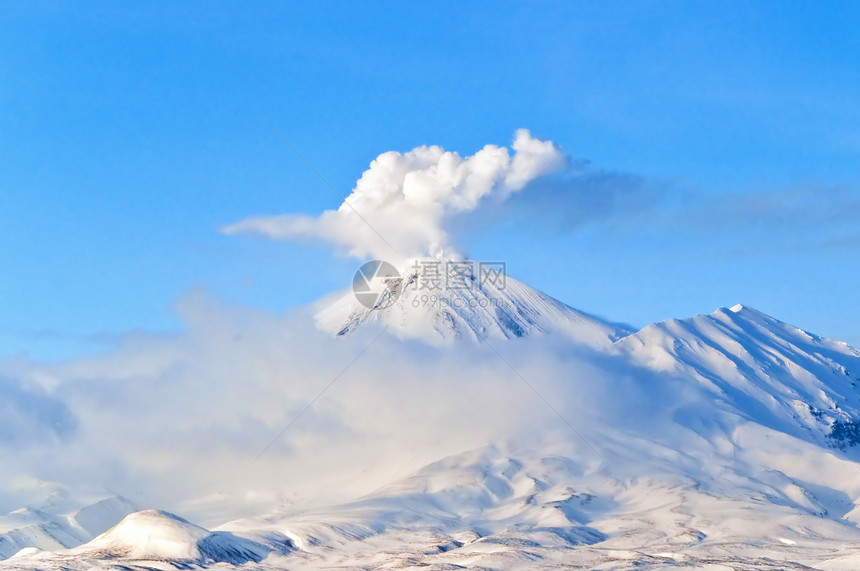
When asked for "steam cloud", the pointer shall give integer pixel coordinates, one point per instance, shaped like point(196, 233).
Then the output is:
point(404, 205)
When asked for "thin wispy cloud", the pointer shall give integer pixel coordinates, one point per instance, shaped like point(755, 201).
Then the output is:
point(588, 196)
point(809, 205)
point(801, 218)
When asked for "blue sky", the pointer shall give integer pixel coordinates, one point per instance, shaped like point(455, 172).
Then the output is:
point(722, 164)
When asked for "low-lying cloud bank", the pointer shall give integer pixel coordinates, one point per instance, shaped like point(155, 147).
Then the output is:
point(177, 421)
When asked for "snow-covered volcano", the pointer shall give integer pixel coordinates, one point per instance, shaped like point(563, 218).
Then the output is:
point(463, 300)
point(727, 440)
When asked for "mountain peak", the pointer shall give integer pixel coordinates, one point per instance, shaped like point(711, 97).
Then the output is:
point(748, 311)
point(439, 299)
point(160, 535)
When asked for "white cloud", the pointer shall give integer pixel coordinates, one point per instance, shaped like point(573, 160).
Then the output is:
point(404, 204)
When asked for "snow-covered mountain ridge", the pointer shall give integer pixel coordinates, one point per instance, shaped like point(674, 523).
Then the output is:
point(788, 379)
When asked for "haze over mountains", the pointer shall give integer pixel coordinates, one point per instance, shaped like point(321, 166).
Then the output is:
point(725, 440)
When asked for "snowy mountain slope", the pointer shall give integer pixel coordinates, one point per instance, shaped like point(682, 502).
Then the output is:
point(509, 509)
point(538, 511)
point(471, 309)
point(148, 537)
point(60, 520)
point(776, 374)
point(543, 507)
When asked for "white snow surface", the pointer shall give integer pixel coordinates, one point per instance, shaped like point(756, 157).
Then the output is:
point(722, 441)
